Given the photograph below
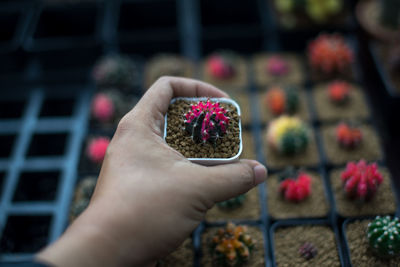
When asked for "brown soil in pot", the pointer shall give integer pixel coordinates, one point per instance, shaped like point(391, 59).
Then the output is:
point(308, 157)
point(182, 256)
point(243, 101)
point(369, 149)
point(250, 209)
point(315, 205)
point(236, 83)
point(318, 76)
point(382, 203)
point(226, 147)
point(167, 65)
point(302, 112)
point(355, 108)
point(248, 151)
point(295, 76)
point(288, 240)
point(360, 254)
point(257, 255)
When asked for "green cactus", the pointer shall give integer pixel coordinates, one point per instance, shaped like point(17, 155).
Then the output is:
point(293, 142)
point(232, 203)
point(292, 100)
point(384, 236)
point(390, 16)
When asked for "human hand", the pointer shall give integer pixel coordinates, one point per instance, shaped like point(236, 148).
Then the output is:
point(149, 198)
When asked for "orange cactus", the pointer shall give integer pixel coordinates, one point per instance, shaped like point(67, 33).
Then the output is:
point(348, 136)
point(275, 99)
point(330, 54)
point(232, 245)
point(339, 91)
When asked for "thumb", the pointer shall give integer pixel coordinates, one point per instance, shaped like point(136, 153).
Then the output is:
point(230, 180)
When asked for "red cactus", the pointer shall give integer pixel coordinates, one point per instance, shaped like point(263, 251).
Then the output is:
point(102, 107)
point(361, 180)
point(97, 149)
point(206, 121)
point(330, 54)
point(348, 136)
point(339, 91)
point(278, 66)
point(220, 66)
point(296, 189)
point(275, 99)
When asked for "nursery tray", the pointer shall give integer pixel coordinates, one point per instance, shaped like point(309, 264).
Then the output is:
point(212, 161)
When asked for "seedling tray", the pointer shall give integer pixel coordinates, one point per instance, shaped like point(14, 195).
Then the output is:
point(44, 106)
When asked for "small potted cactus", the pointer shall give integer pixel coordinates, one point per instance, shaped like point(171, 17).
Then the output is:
point(280, 100)
point(343, 143)
point(296, 193)
point(233, 245)
point(289, 142)
point(339, 100)
point(83, 192)
point(282, 69)
point(329, 57)
point(362, 189)
point(116, 71)
point(93, 153)
point(373, 242)
point(206, 131)
point(167, 65)
point(304, 245)
point(226, 70)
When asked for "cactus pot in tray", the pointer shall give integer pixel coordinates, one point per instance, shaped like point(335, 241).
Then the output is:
point(204, 130)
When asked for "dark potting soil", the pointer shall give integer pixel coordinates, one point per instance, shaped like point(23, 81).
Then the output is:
point(288, 240)
point(237, 83)
point(382, 203)
point(295, 76)
point(354, 108)
point(182, 256)
point(308, 157)
point(314, 206)
point(257, 254)
point(369, 149)
point(302, 111)
point(248, 151)
point(360, 253)
point(250, 209)
point(317, 76)
point(243, 101)
point(226, 147)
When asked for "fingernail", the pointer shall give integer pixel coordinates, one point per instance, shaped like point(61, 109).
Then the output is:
point(260, 174)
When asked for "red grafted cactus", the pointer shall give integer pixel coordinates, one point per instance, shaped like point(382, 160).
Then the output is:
point(361, 180)
point(97, 148)
point(339, 92)
point(277, 66)
point(295, 187)
point(348, 136)
point(221, 66)
point(330, 54)
point(232, 245)
point(282, 99)
point(206, 121)
point(102, 107)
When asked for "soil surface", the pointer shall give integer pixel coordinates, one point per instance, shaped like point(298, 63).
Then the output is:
point(382, 203)
point(226, 147)
point(360, 253)
point(354, 108)
point(257, 254)
point(288, 240)
point(249, 210)
point(314, 206)
point(295, 76)
point(369, 149)
point(182, 256)
point(248, 151)
point(243, 101)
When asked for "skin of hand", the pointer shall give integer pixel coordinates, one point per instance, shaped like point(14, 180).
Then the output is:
point(149, 198)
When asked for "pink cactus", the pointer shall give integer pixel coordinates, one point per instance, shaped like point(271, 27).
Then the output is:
point(221, 66)
point(206, 121)
point(277, 66)
point(296, 189)
point(361, 180)
point(102, 107)
point(97, 148)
